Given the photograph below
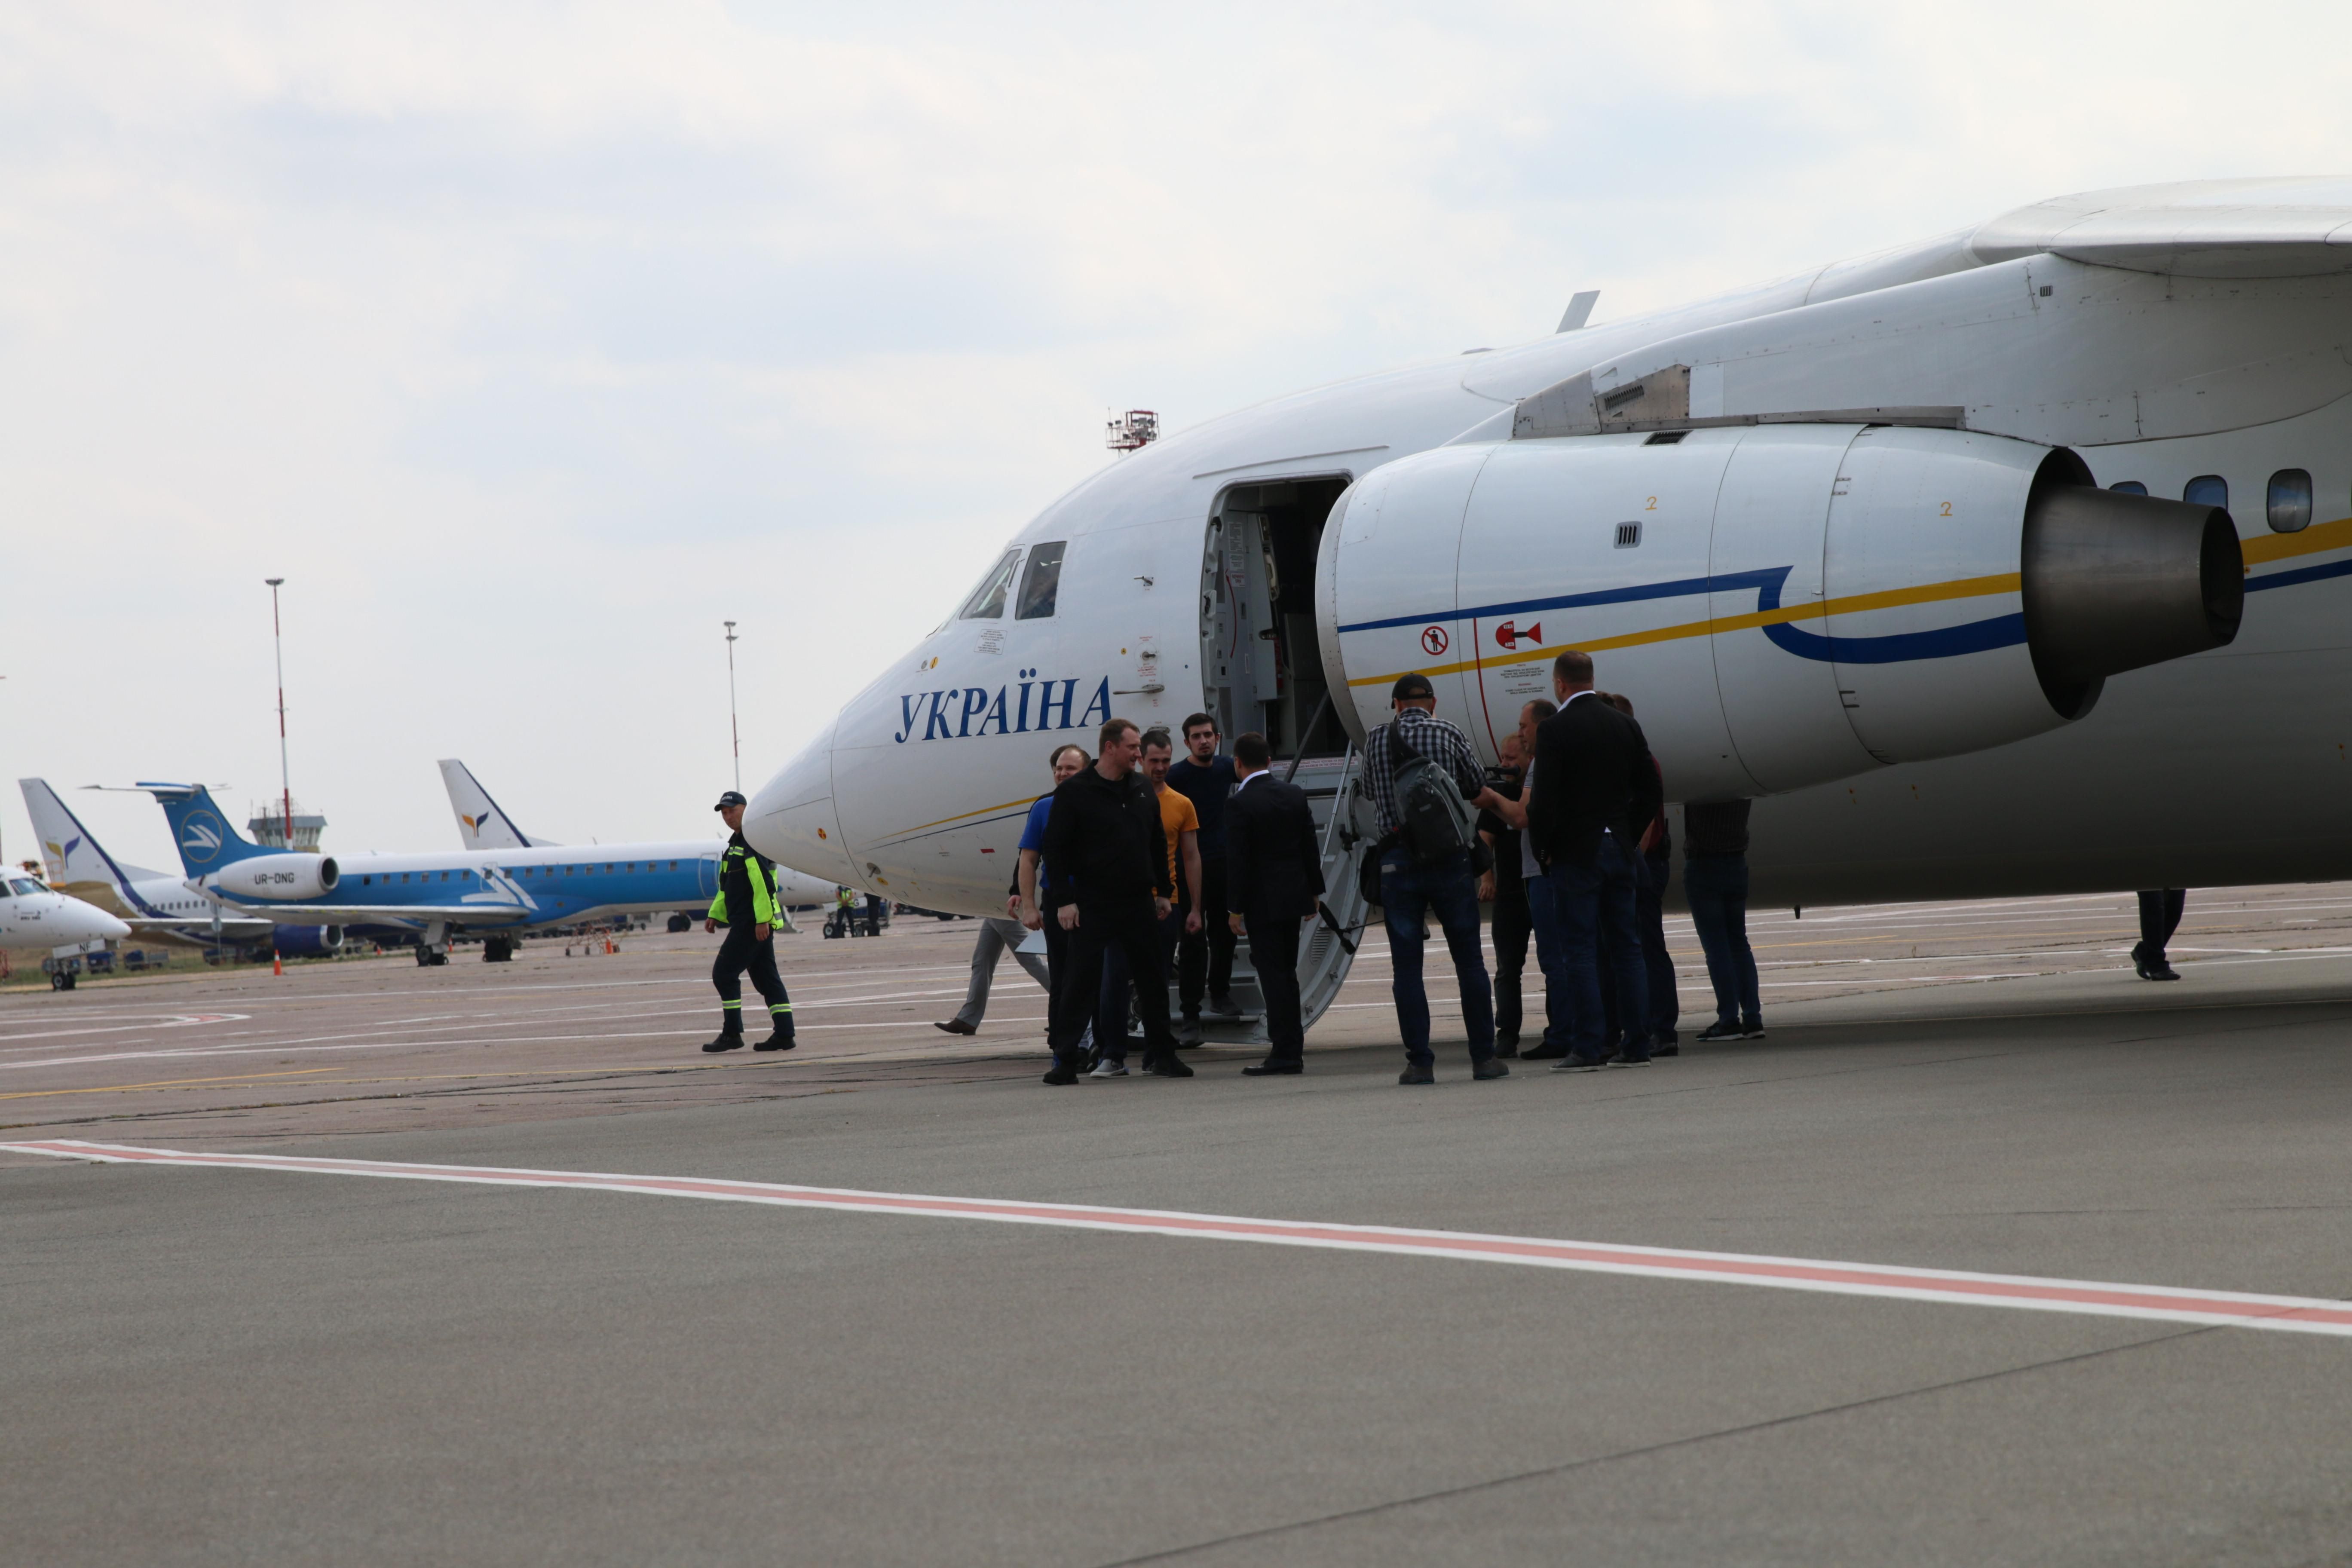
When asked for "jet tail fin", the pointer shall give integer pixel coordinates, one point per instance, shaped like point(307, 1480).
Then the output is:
point(202, 829)
point(482, 823)
point(77, 864)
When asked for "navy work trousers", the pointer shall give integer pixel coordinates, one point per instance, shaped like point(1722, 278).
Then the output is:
point(738, 952)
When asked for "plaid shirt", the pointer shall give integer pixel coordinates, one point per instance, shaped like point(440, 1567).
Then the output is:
point(1432, 738)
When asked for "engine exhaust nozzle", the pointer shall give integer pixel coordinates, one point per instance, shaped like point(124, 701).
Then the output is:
point(2115, 582)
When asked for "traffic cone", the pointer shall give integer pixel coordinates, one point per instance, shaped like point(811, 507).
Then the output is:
point(276, 963)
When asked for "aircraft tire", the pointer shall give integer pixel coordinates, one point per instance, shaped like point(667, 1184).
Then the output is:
point(63, 980)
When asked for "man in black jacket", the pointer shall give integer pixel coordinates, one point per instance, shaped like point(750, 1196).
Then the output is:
point(1110, 888)
point(1594, 790)
point(1274, 879)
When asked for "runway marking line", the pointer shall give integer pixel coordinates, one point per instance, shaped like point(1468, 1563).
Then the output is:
point(164, 1083)
point(2294, 1314)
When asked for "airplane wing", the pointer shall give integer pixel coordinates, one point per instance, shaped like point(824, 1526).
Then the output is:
point(244, 930)
point(494, 915)
point(2201, 228)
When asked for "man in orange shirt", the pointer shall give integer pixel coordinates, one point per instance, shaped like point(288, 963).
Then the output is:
point(1181, 823)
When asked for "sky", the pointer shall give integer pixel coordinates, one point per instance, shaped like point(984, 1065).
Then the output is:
point(529, 344)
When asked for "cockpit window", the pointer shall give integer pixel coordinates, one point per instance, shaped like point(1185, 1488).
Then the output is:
point(1041, 582)
point(23, 887)
point(987, 601)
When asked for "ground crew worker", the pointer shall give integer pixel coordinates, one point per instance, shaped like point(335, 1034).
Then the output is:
point(746, 906)
point(844, 903)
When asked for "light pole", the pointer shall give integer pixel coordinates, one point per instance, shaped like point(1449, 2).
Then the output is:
point(734, 731)
point(285, 775)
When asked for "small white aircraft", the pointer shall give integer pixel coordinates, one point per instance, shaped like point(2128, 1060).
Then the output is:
point(2012, 562)
point(34, 918)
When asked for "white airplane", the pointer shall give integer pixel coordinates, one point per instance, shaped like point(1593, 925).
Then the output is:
point(154, 905)
point(1881, 543)
point(483, 824)
point(34, 918)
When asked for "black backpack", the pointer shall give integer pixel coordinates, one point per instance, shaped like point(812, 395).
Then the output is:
point(1432, 819)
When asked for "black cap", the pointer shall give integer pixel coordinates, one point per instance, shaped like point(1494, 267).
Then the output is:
point(733, 797)
point(1410, 687)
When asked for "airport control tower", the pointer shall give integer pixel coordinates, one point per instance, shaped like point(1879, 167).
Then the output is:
point(267, 825)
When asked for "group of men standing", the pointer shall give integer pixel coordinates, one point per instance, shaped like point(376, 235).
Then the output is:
point(1141, 867)
point(1571, 850)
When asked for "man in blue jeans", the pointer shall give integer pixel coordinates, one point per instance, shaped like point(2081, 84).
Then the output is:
point(1715, 880)
point(1593, 790)
point(1412, 890)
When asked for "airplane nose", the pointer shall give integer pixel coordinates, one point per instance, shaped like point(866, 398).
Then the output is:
point(792, 819)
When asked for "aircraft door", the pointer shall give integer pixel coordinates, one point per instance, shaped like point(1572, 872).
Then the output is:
point(1781, 705)
point(1243, 677)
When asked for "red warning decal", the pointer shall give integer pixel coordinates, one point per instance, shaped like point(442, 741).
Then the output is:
point(1434, 639)
point(1509, 635)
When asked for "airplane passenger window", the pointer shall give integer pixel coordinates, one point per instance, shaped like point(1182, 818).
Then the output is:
point(1043, 581)
point(987, 601)
point(2289, 503)
point(2207, 490)
point(2129, 488)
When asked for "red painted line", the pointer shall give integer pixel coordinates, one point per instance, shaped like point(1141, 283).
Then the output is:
point(2293, 1313)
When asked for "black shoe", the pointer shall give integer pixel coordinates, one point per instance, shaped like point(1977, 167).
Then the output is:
point(1188, 1029)
point(1489, 1068)
point(1751, 1028)
point(1507, 1049)
point(781, 1040)
point(1062, 1074)
point(1167, 1064)
point(727, 1041)
point(1225, 1009)
point(2155, 970)
point(1416, 1075)
point(1628, 1059)
point(1666, 1046)
point(1716, 1033)
point(1274, 1067)
point(1542, 1053)
point(1573, 1063)
point(957, 1026)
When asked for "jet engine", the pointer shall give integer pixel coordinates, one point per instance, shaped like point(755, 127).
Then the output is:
point(1784, 604)
point(278, 877)
point(306, 942)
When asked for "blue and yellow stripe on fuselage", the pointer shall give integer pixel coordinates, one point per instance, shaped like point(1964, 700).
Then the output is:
point(1778, 622)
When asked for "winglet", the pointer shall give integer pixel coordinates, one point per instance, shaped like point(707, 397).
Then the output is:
point(1579, 311)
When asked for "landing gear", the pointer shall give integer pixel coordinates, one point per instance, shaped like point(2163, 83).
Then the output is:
point(431, 957)
point(681, 922)
point(61, 980)
point(498, 948)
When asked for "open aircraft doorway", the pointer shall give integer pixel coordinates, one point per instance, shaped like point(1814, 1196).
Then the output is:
point(1259, 650)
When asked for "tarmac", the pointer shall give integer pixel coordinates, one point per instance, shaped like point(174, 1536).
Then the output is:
point(1988, 1252)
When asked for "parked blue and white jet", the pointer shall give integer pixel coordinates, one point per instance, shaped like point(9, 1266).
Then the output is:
point(497, 894)
point(483, 824)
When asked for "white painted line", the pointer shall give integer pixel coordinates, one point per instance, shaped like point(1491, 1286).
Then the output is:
point(2297, 1314)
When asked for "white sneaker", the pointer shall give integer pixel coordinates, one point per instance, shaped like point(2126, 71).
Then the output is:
point(1108, 1069)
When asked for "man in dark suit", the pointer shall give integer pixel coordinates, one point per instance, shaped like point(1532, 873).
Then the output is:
point(1592, 792)
point(1274, 879)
